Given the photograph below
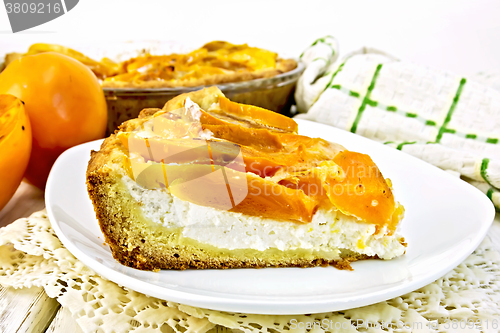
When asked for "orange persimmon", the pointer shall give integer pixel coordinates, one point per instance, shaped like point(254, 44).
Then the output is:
point(15, 145)
point(65, 104)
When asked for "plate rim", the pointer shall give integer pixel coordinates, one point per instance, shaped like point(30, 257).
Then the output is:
point(245, 305)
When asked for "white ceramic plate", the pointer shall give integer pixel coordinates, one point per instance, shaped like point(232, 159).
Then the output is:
point(445, 221)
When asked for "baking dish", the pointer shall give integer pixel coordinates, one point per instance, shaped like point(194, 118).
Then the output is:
point(274, 93)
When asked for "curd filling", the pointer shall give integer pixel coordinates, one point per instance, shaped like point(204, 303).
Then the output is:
point(329, 231)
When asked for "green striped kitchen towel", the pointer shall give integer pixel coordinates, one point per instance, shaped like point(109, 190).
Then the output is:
point(447, 120)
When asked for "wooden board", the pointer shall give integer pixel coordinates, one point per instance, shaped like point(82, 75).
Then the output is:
point(64, 323)
point(26, 310)
point(27, 199)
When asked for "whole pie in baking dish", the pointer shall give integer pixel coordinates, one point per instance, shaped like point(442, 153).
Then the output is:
point(209, 183)
point(216, 62)
point(246, 74)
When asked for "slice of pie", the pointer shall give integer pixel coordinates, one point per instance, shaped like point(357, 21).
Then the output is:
point(209, 183)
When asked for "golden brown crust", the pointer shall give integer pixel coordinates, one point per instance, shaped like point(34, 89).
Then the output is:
point(108, 70)
point(282, 66)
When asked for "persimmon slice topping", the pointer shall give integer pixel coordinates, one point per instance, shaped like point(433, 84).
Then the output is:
point(268, 170)
point(363, 191)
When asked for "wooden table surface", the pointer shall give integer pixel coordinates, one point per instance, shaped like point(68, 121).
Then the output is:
point(31, 310)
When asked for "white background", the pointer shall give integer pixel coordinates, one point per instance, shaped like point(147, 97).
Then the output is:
point(460, 36)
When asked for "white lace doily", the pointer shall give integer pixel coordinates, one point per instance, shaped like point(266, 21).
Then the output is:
point(32, 255)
